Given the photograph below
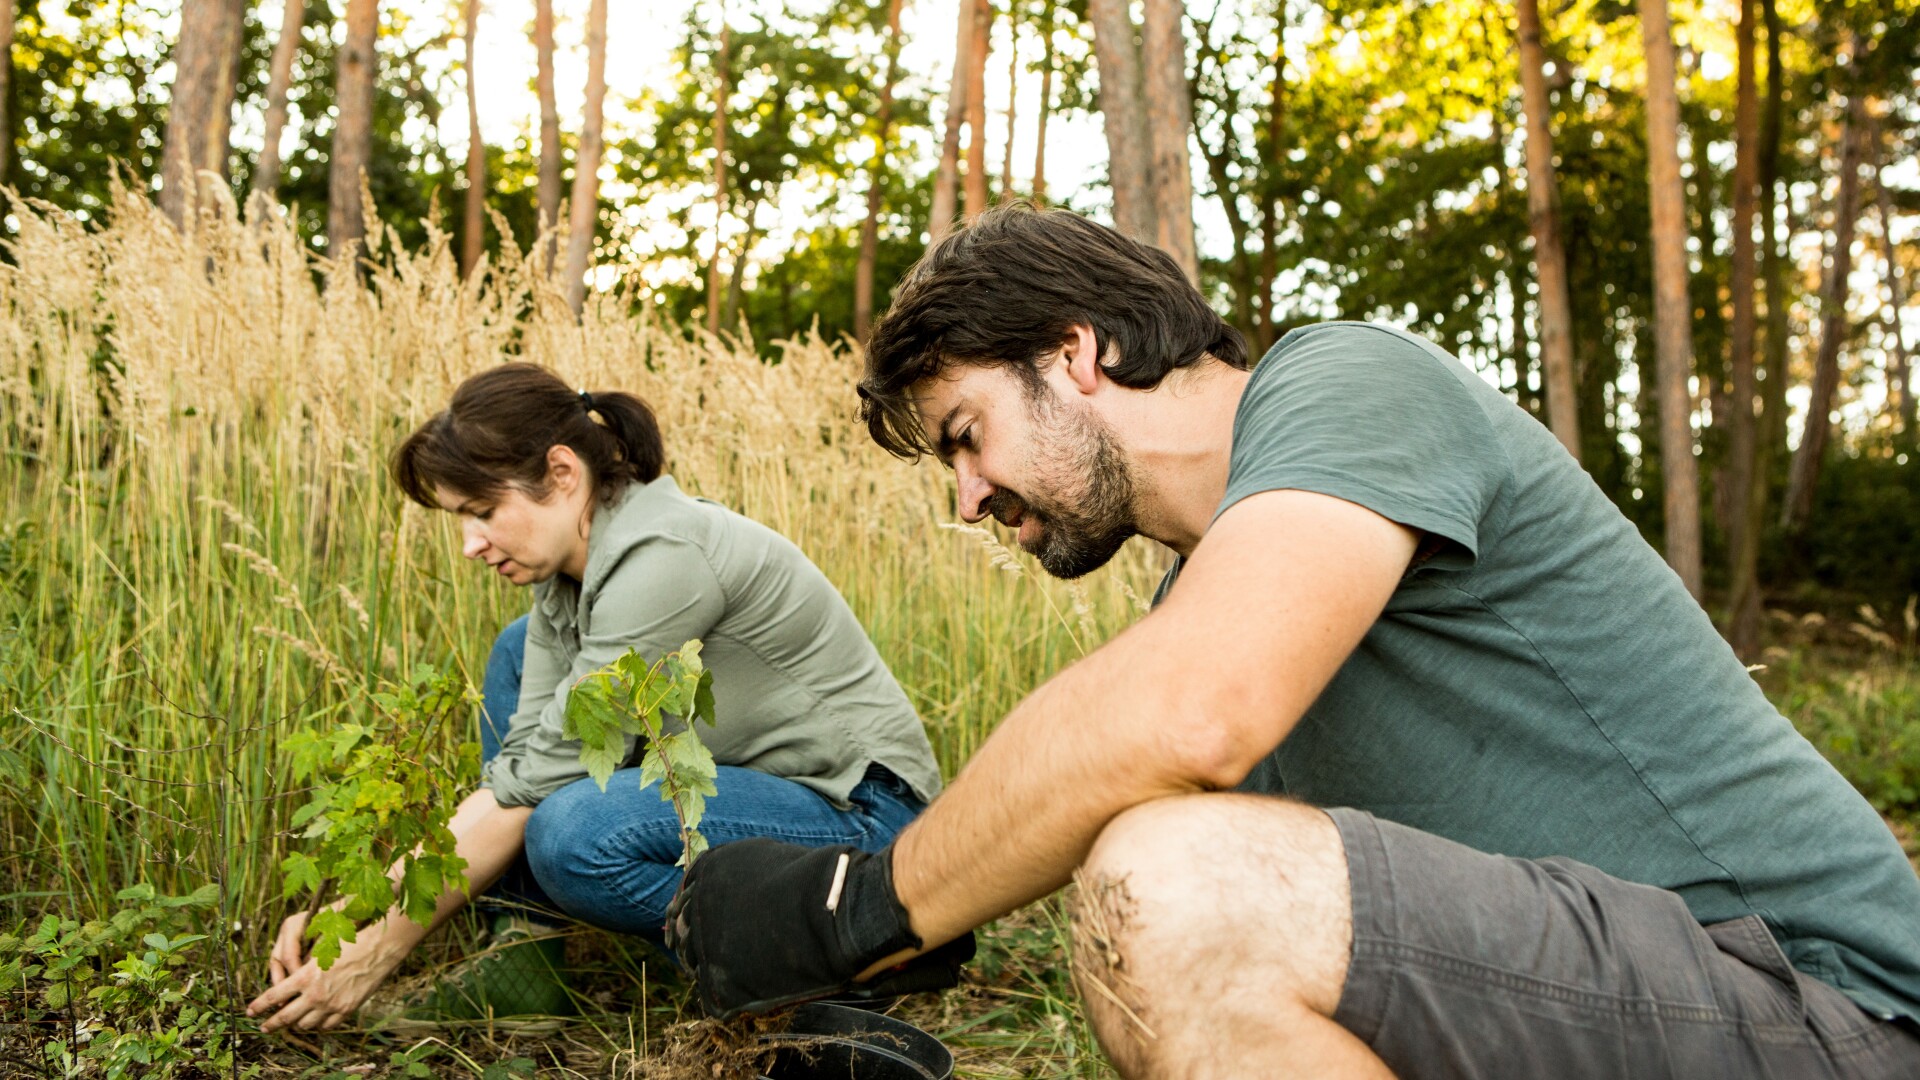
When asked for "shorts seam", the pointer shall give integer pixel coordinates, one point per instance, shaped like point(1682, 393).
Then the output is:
point(1474, 975)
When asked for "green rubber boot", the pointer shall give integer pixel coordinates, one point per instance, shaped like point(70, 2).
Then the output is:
point(518, 982)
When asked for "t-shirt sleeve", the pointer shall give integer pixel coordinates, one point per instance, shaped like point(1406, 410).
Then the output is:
point(1365, 415)
point(662, 594)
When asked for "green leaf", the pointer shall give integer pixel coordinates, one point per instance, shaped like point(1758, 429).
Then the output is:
point(328, 929)
point(420, 887)
point(596, 716)
point(703, 699)
point(142, 891)
point(302, 874)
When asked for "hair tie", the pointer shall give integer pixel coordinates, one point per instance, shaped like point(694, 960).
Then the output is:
point(586, 401)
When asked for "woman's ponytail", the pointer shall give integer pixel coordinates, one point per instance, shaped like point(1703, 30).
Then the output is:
point(500, 424)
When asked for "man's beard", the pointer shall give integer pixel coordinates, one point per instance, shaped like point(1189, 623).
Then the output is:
point(1077, 536)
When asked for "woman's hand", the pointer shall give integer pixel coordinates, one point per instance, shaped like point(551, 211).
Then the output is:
point(305, 998)
point(288, 952)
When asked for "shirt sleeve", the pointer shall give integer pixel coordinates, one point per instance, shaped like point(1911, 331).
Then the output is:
point(1368, 416)
point(662, 594)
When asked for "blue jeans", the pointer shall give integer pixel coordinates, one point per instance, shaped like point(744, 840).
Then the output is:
point(607, 857)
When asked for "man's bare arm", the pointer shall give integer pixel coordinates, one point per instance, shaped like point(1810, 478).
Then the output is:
point(1275, 597)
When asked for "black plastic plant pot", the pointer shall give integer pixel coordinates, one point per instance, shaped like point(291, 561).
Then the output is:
point(842, 1043)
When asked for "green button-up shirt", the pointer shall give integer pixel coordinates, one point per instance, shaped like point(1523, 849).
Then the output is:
point(799, 691)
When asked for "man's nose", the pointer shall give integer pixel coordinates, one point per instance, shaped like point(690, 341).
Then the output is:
point(974, 491)
point(471, 542)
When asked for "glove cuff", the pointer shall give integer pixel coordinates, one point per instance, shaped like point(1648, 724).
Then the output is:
point(871, 916)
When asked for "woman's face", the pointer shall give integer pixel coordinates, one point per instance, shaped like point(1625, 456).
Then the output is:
point(523, 539)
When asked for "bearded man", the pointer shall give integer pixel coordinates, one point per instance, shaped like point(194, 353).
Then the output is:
point(1424, 763)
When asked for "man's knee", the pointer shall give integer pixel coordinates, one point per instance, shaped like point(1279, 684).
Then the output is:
point(1200, 884)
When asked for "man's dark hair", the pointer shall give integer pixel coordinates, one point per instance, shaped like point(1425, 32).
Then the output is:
point(1006, 289)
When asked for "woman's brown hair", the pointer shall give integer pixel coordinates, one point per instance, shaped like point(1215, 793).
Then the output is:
point(500, 424)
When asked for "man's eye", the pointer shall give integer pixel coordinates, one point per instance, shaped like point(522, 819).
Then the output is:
point(966, 437)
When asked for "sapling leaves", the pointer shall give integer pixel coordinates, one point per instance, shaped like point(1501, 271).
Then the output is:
point(375, 828)
point(659, 702)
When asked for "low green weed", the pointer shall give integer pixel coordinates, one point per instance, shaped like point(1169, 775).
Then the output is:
point(133, 995)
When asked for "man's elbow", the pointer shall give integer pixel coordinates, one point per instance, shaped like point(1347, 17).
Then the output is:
point(1220, 745)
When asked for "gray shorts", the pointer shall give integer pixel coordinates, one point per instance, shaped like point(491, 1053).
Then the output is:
point(1474, 965)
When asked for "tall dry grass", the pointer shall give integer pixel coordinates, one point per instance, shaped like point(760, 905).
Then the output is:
point(199, 547)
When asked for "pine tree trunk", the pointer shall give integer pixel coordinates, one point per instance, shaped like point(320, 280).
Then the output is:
point(737, 279)
point(1743, 602)
point(1549, 256)
point(1128, 151)
point(1804, 476)
point(975, 189)
point(1163, 54)
point(1269, 200)
point(870, 226)
point(1899, 361)
point(1013, 96)
point(1046, 107)
point(720, 165)
point(585, 208)
point(547, 195)
point(266, 174)
point(1672, 307)
point(7, 12)
point(200, 110)
point(1736, 477)
point(353, 128)
point(946, 181)
point(474, 230)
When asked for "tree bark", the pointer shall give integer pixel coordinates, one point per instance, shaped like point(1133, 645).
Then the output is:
point(721, 64)
point(1899, 361)
point(1046, 107)
point(1128, 153)
point(1743, 602)
point(1269, 180)
point(1163, 53)
point(1013, 96)
point(474, 231)
point(1736, 477)
point(946, 181)
point(547, 195)
point(1672, 308)
point(1804, 475)
point(200, 112)
point(6, 88)
point(1549, 256)
point(975, 190)
point(266, 174)
point(737, 278)
point(870, 226)
point(585, 209)
point(352, 128)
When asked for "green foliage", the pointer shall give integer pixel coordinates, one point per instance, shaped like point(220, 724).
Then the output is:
point(658, 702)
point(130, 994)
point(380, 797)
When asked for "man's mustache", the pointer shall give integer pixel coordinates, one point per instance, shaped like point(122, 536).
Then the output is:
point(1004, 504)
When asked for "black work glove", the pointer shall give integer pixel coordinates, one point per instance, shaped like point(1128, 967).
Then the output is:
point(752, 924)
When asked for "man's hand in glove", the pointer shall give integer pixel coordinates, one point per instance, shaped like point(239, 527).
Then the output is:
point(762, 924)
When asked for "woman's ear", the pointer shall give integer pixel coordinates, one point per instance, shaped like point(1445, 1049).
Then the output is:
point(1081, 355)
point(565, 471)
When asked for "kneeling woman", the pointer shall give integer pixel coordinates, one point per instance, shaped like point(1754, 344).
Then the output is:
point(816, 742)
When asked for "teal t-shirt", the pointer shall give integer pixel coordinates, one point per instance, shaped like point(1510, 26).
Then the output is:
point(1541, 683)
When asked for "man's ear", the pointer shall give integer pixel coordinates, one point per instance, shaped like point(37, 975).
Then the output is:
point(1081, 355)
